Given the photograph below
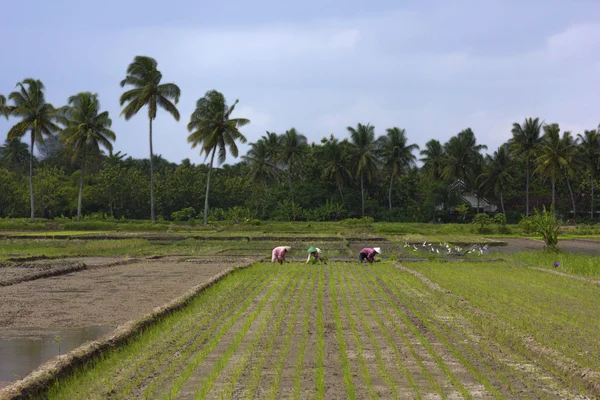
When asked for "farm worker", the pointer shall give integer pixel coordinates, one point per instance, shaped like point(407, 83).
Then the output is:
point(368, 253)
point(316, 252)
point(278, 253)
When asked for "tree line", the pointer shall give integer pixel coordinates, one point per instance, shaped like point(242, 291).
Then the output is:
point(281, 176)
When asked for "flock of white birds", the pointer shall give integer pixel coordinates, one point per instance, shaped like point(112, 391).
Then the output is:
point(445, 248)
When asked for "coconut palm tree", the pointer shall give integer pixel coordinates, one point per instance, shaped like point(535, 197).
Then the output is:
point(212, 128)
point(336, 162)
point(498, 173)
point(3, 107)
point(433, 159)
point(589, 149)
point(396, 154)
point(293, 151)
point(573, 164)
point(524, 142)
point(553, 155)
point(145, 78)
point(462, 153)
point(37, 117)
point(262, 166)
point(86, 130)
point(365, 163)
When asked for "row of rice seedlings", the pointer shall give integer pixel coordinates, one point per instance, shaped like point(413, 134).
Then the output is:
point(359, 347)
point(350, 391)
point(273, 392)
point(207, 347)
point(85, 381)
point(255, 373)
point(387, 302)
point(197, 336)
point(320, 370)
point(474, 326)
point(305, 330)
point(434, 304)
point(282, 292)
point(192, 322)
point(390, 342)
point(556, 314)
point(407, 303)
point(499, 321)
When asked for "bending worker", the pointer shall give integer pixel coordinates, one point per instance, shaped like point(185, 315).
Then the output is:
point(278, 253)
point(368, 254)
point(316, 252)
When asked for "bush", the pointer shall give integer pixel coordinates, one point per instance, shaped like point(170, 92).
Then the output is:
point(185, 214)
point(526, 225)
point(500, 219)
point(547, 225)
point(364, 221)
point(482, 220)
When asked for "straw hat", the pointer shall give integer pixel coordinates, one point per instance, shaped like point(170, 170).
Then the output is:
point(287, 248)
point(377, 249)
point(312, 249)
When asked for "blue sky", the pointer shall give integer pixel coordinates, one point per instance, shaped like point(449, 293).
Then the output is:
point(431, 67)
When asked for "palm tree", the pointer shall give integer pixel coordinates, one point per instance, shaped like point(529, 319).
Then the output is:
point(572, 164)
point(262, 167)
point(433, 160)
point(363, 139)
point(86, 130)
point(336, 162)
point(14, 154)
point(37, 117)
point(524, 142)
point(294, 150)
point(144, 76)
point(553, 156)
point(498, 173)
point(589, 149)
point(396, 154)
point(462, 153)
point(212, 128)
point(3, 107)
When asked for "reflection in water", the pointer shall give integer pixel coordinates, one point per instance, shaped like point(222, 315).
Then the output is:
point(21, 354)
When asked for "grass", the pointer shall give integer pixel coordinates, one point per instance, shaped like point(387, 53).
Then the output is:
point(577, 264)
point(262, 332)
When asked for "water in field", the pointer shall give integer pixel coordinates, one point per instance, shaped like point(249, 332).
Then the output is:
point(29, 348)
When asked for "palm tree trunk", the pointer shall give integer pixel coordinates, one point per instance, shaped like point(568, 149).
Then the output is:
point(81, 186)
point(502, 202)
point(31, 176)
point(290, 181)
point(362, 193)
point(151, 176)
point(208, 187)
point(592, 200)
point(553, 195)
point(341, 194)
point(571, 194)
point(390, 193)
point(527, 187)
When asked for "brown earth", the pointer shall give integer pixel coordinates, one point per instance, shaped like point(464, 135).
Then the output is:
point(516, 245)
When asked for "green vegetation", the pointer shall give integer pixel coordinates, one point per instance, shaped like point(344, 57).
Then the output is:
point(577, 264)
point(394, 334)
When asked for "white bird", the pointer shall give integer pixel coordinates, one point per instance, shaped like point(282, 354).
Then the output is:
point(405, 244)
point(424, 243)
point(437, 250)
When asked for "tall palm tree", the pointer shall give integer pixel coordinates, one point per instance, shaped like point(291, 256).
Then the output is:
point(365, 163)
point(145, 77)
point(336, 162)
point(293, 152)
point(462, 153)
point(212, 128)
point(573, 164)
point(589, 149)
point(524, 142)
point(553, 156)
point(37, 117)
point(498, 173)
point(262, 166)
point(86, 130)
point(433, 159)
point(396, 154)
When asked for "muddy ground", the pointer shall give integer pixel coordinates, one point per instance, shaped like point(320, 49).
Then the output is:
point(580, 246)
point(86, 303)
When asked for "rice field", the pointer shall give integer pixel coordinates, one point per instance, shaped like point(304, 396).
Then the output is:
point(345, 330)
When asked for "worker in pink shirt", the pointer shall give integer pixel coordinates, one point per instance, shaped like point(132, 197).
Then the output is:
point(278, 253)
point(368, 254)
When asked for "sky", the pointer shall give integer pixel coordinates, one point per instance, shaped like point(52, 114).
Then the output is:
point(432, 67)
